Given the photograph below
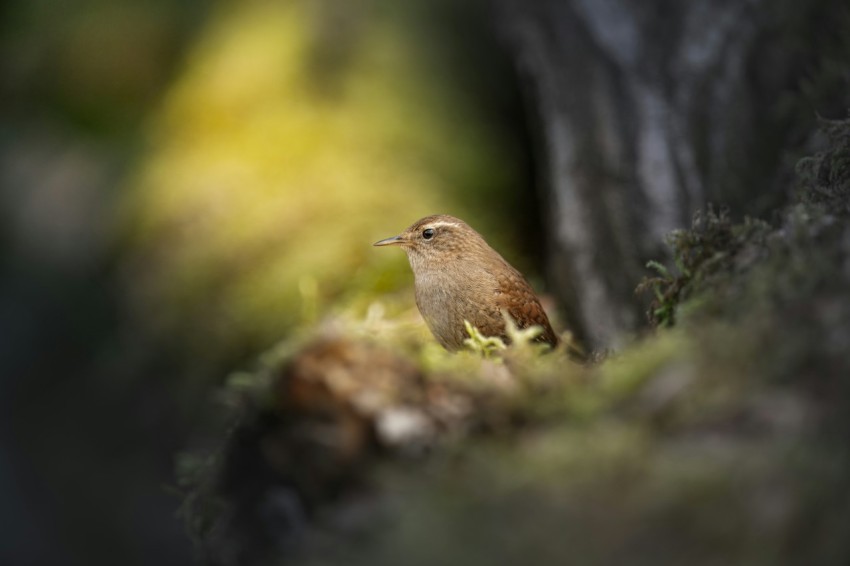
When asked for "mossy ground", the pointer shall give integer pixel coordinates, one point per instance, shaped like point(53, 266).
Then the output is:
point(719, 439)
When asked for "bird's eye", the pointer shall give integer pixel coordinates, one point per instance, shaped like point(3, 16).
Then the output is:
point(428, 233)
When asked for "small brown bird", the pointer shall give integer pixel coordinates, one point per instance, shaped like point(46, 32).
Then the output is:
point(459, 277)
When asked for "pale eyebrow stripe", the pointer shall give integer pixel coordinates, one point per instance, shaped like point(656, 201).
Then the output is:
point(442, 223)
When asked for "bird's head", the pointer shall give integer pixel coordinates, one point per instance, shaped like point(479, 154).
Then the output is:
point(438, 238)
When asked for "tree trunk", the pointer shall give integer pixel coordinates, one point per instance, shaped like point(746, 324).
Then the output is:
point(646, 112)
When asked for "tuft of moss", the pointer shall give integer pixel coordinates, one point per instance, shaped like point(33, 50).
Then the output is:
point(825, 177)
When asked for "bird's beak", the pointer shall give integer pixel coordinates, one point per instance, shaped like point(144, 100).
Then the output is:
point(394, 241)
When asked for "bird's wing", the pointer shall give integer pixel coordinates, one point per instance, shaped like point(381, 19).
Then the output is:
point(516, 297)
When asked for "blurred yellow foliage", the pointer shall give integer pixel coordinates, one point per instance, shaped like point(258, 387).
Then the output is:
point(269, 175)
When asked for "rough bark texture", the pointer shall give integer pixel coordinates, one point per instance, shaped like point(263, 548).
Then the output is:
point(646, 112)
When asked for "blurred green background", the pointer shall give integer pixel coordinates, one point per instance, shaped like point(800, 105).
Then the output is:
point(184, 185)
point(295, 135)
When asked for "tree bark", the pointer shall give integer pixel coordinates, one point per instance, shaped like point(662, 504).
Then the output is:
point(645, 112)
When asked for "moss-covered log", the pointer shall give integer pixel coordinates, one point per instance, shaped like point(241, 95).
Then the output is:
point(719, 440)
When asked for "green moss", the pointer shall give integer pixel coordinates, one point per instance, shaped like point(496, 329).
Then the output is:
point(621, 375)
point(712, 258)
point(825, 177)
point(719, 441)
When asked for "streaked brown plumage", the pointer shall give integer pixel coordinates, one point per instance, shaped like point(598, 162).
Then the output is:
point(459, 277)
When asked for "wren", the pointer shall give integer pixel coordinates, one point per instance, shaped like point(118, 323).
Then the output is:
point(459, 277)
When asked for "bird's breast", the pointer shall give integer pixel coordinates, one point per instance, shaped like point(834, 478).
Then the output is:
point(447, 300)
